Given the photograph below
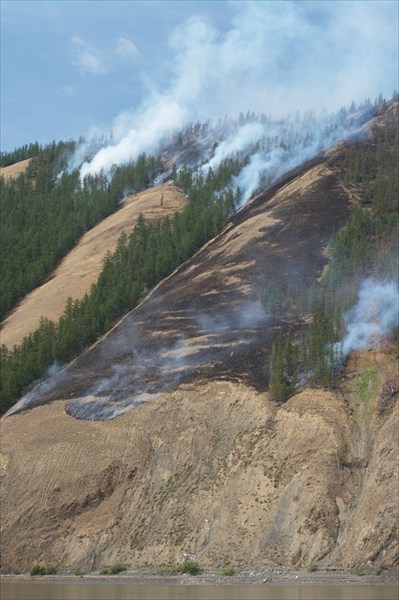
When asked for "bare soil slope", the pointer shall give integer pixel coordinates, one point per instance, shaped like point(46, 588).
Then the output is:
point(213, 471)
point(81, 267)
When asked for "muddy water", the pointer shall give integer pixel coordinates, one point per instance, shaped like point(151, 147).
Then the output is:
point(111, 591)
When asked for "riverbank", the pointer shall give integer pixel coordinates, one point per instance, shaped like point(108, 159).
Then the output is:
point(251, 576)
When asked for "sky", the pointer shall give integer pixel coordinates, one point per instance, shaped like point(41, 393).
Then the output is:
point(72, 68)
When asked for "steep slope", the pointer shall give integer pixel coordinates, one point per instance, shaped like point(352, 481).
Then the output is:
point(210, 466)
point(81, 267)
point(207, 320)
point(213, 470)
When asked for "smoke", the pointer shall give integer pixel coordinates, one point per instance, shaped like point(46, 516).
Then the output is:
point(239, 141)
point(250, 177)
point(272, 57)
point(53, 377)
point(289, 144)
point(150, 370)
point(150, 124)
point(373, 317)
point(248, 315)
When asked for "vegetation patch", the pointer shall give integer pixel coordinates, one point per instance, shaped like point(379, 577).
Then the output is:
point(113, 569)
point(367, 385)
point(311, 566)
point(43, 568)
point(227, 571)
point(190, 567)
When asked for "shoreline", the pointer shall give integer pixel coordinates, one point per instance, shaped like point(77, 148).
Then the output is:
point(250, 576)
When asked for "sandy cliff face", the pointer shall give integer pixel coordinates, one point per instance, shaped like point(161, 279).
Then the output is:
point(215, 471)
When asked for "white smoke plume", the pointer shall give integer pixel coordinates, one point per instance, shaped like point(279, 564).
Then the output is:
point(152, 123)
point(374, 316)
point(239, 141)
point(53, 376)
point(274, 57)
point(250, 177)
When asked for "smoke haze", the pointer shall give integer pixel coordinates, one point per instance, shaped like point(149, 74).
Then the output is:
point(274, 57)
point(374, 316)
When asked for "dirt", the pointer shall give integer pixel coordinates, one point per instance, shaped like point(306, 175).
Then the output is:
point(81, 266)
point(212, 471)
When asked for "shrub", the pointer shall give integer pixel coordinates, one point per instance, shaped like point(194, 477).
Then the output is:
point(37, 569)
point(50, 569)
point(113, 569)
point(43, 569)
point(189, 566)
point(342, 454)
point(311, 566)
point(228, 571)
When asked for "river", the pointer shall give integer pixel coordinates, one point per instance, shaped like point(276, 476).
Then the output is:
point(122, 591)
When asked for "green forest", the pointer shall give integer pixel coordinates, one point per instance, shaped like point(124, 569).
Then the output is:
point(47, 209)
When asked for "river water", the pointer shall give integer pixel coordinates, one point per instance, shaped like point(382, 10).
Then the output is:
point(115, 591)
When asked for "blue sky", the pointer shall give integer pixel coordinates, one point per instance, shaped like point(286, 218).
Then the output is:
point(71, 68)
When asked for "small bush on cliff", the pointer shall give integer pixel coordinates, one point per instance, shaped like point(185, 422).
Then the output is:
point(43, 569)
point(311, 566)
point(113, 569)
point(227, 572)
point(189, 566)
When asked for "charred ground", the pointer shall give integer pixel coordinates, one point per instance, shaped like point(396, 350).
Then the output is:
point(206, 321)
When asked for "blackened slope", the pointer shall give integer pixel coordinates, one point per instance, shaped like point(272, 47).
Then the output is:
point(206, 321)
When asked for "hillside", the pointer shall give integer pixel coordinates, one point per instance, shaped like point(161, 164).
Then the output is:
point(82, 265)
point(12, 171)
point(207, 319)
point(214, 470)
point(163, 440)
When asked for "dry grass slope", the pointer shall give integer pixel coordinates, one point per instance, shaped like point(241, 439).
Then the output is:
point(82, 265)
point(12, 171)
